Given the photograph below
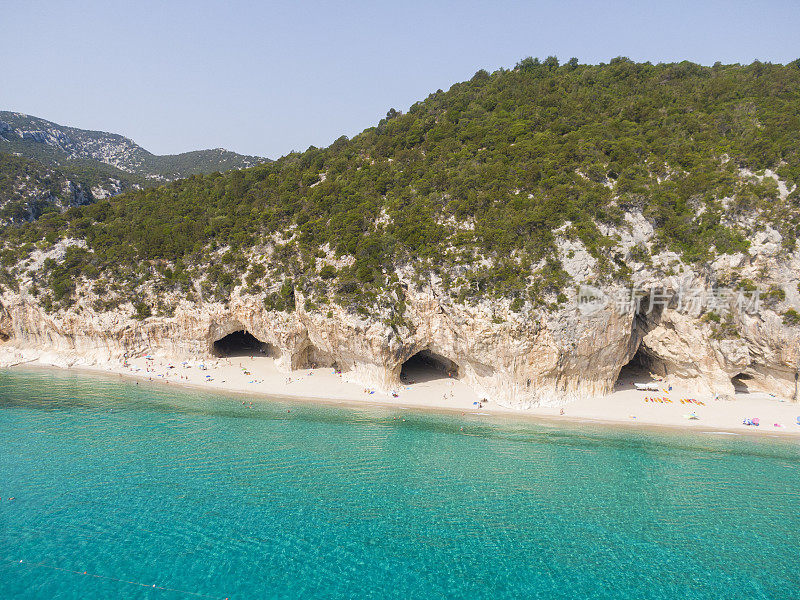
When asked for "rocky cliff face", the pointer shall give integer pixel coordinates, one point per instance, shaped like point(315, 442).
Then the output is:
point(515, 359)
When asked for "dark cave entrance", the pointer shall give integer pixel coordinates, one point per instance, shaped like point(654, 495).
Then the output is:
point(637, 370)
point(427, 366)
point(240, 343)
point(644, 362)
point(740, 385)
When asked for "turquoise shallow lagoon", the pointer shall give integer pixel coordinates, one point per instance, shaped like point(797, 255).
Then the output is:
point(206, 498)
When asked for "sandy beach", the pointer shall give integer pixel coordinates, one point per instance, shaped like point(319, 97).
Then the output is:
point(259, 379)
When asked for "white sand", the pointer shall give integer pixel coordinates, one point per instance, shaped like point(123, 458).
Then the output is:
point(664, 408)
point(258, 377)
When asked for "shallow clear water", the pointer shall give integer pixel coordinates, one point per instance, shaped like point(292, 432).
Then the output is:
point(206, 498)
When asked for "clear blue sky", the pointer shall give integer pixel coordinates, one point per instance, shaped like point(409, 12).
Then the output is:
point(266, 78)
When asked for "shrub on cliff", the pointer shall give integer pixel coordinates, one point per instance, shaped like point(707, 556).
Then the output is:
point(791, 317)
point(141, 310)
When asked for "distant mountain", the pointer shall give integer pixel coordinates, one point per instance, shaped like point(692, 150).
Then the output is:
point(53, 144)
point(45, 166)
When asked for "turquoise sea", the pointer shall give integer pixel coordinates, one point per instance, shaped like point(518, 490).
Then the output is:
point(203, 497)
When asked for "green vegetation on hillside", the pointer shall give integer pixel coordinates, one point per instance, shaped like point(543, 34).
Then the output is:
point(197, 162)
point(28, 188)
point(472, 185)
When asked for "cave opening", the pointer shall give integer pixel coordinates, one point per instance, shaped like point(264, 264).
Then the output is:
point(241, 343)
point(644, 364)
point(427, 366)
point(637, 370)
point(740, 385)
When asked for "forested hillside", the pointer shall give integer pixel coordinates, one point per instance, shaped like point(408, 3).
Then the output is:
point(474, 186)
point(29, 189)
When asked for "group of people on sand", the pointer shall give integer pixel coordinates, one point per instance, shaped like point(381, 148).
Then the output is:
point(151, 366)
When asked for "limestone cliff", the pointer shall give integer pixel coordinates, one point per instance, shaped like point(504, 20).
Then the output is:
point(515, 359)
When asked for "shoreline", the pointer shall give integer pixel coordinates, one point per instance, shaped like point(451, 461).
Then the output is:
point(258, 379)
